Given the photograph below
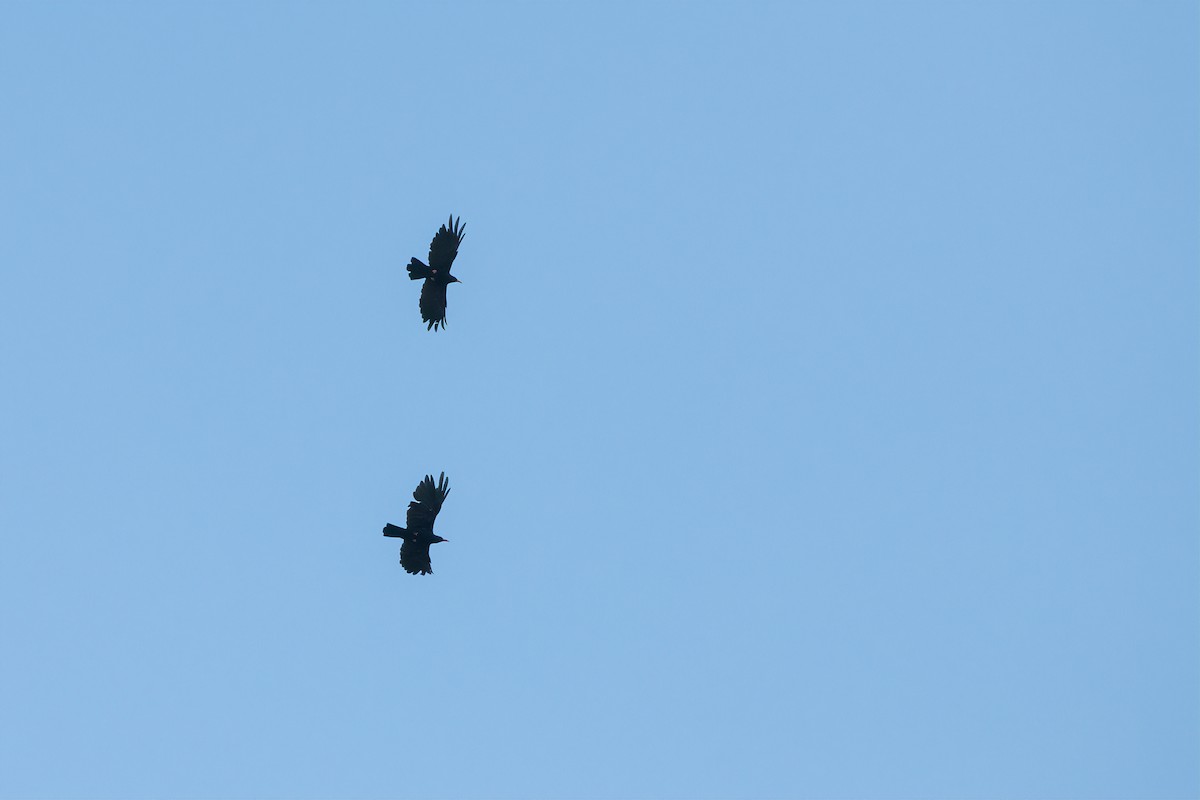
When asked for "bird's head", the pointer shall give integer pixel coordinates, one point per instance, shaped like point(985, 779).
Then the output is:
point(437, 539)
point(453, 279)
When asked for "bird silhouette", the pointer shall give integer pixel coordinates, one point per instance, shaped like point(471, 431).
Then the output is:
point(442, 251)
point(422, 511)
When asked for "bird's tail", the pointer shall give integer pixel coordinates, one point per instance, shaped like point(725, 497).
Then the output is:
point(394, 531)
point(417, 270)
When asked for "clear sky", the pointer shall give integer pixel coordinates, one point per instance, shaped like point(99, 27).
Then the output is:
point(820, 401)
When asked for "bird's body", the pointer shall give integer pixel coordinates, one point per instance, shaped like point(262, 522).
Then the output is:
point(418, 536)
point(436, 274)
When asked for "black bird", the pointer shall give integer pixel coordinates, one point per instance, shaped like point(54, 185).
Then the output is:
point(422, 511)
point(442, 251)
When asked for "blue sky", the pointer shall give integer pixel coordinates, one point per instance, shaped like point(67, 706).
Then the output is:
point(820, 402)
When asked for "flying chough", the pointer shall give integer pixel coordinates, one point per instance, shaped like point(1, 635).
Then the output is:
point(422, 511)
point(442, 251)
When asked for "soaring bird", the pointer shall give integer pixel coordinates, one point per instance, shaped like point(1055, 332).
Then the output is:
point(442, 251)
point(422, 511)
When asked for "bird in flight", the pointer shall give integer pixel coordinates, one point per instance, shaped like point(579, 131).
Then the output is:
point(422, 511)
point(442, 251)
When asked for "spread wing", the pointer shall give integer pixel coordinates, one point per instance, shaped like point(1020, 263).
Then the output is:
point(433, 304)
point(444, 246)
point(423, 510)
point(414, 557)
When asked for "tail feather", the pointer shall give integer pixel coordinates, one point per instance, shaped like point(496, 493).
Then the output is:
point(417, 270)
point(394, 531)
